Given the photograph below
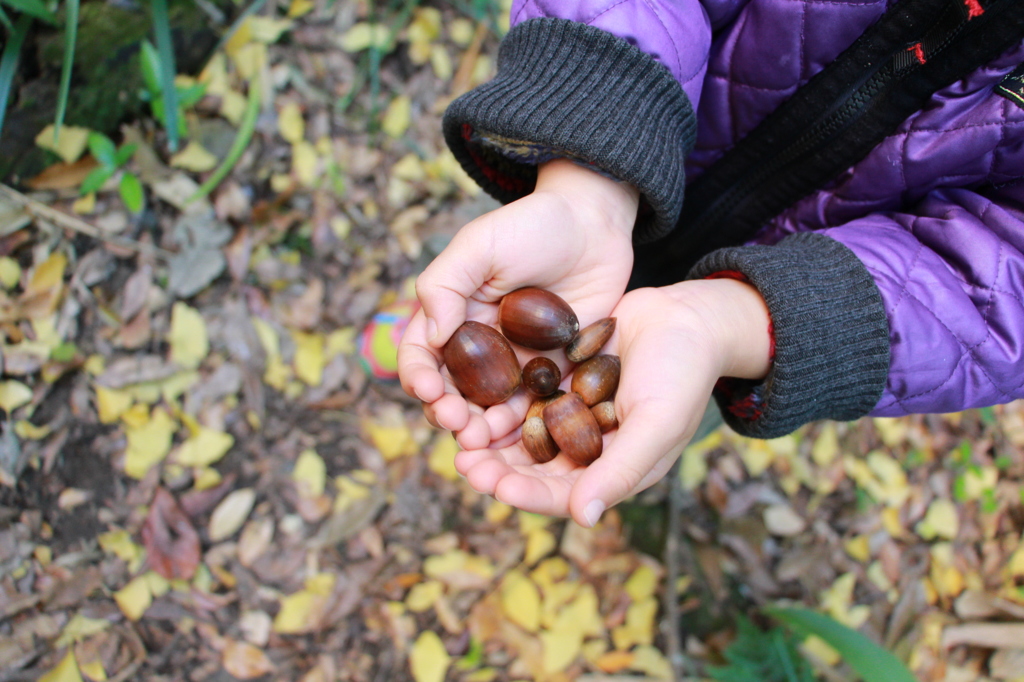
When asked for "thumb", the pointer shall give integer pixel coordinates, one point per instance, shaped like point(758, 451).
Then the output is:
point(449, 281)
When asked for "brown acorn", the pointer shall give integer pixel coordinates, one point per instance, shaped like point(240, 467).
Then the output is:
point(596, 379)
point(574, 429)
point(537, 406)
point(604, 412)
point(482, 364)
point(537, 441)
point(537, 319)
point(541, 376)
point(590, 340)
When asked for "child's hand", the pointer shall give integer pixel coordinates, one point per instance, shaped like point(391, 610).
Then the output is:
point(571, 236)
point(674, 343)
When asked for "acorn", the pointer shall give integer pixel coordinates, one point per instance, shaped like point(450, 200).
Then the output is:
point(590, 340)
point(604, 412)
point(536, 408)
point(574, 428)
point(482, 364)
point(541, 376)
point(537, 441)
point(537, 319)
point(596, 379)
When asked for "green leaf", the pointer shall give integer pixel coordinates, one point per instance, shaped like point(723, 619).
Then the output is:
point(33, 8)
point(9, 62)
point(870, 661)
point(758, 656)
point(65, 352)
point(238, 145)
point(95, 179)
point(131, 192)
point(165, 48)
point(188, 96)
point(103, 150)
point(150, 68)
point(5, 20)
point(124, 153)
point(70, 37)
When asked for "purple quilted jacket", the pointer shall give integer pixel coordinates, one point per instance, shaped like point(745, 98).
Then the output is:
point(911, 287)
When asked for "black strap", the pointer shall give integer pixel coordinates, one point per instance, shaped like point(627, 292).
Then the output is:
point(916, 48)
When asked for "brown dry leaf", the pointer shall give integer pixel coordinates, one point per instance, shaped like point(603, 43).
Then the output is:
point(63, 175)
point(231, 513)
point(988, 635)
point(169, 538)
point(245, 661)
point(305, 311)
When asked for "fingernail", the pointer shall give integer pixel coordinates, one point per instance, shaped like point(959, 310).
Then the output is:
point(592, 512)
point(431, 329)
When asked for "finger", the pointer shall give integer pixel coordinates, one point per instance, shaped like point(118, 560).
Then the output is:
point(452, 278)
point(451, 412)
point(476, 435)
point(419, 364)
point(506, 417)
point(548, 495)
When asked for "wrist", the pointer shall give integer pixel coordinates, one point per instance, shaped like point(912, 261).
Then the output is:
point(596, 198)
point(737, 323)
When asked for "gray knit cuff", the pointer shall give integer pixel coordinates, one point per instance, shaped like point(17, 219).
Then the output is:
point(831, 335)
point(582, 93)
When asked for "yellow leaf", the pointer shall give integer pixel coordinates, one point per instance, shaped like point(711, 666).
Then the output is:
point(349, 492)
point(391, 436)
point(560, 647)
point(204, 447)
point(69, 146)
point(26, 430)
point(441, 62)
point(65, 671)
point(267, 29)
point(642, 584)
point(310, 474)
point(94, 670)
point(428, 659)
point(497, 512)
point(442, 457)
point(461, 32)
point(231, 513)
point(940, 521)
point(756, 456)
point(187, 337)
point(826, 445)
point(539, 543)
point(363, 35)
point(582, 613)
point(290, 123)
point(639, 625)
point(206, 479)
point(244, 661)
point(858, 548)
point(13, 394)
point(822, 650)
point(397, 117)
point(80, 627)
point(837, 600)
point(341, 342)
point(120, 544)
point(309, 357)
point(134, 598)
point(977, 481)
point(520, 601)
point(651, 662)
point(148, 443)
point(194, 157)
point(48, 279)
point(250, 60)
point(10, 272)
point(306, 166)
point(301, 612)
point(423, 596)
point(85, 205)
point(529, 522)
point(299, 8)
point(1015, 567)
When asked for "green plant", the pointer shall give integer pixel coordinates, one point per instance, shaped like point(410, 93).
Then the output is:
point(773, 655)
point(155, 94)
point(111, 158)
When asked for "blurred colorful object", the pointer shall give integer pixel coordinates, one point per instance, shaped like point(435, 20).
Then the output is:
point(378, 344)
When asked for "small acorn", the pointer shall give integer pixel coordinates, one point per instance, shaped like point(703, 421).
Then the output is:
point(574, 428)
point(604, 412)
point(537, 441)
point(482, 364)
point(541, 376)
point(590, 340)
point(537, 319)
point(597, 378)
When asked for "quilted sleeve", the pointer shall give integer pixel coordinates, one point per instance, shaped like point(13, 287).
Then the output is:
point(579, 82)
point(890, 314)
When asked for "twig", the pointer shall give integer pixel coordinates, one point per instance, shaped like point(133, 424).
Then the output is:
point(41, 211)
point(461, 81)
point(138, 653)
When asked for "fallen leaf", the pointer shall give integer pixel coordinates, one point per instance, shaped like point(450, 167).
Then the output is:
point(203, 448)
point(187, 337)
point(309, 357)
point(134, 598)
point(442, 457)
point(941, 521)
point(302, 611)
point(310, 474)
point(520, 601)
point(781, 519)
point(69, 145)
point(397, 116)
point(245, 661)
point(169, 538)
point(194, 157)
point(65, 671)
point(13, 394)
point(231, 513)
point(290, 123)
point(362, 35)
point(306, 165)
point(149, 442)
point(423, 596)
point(428, 659)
